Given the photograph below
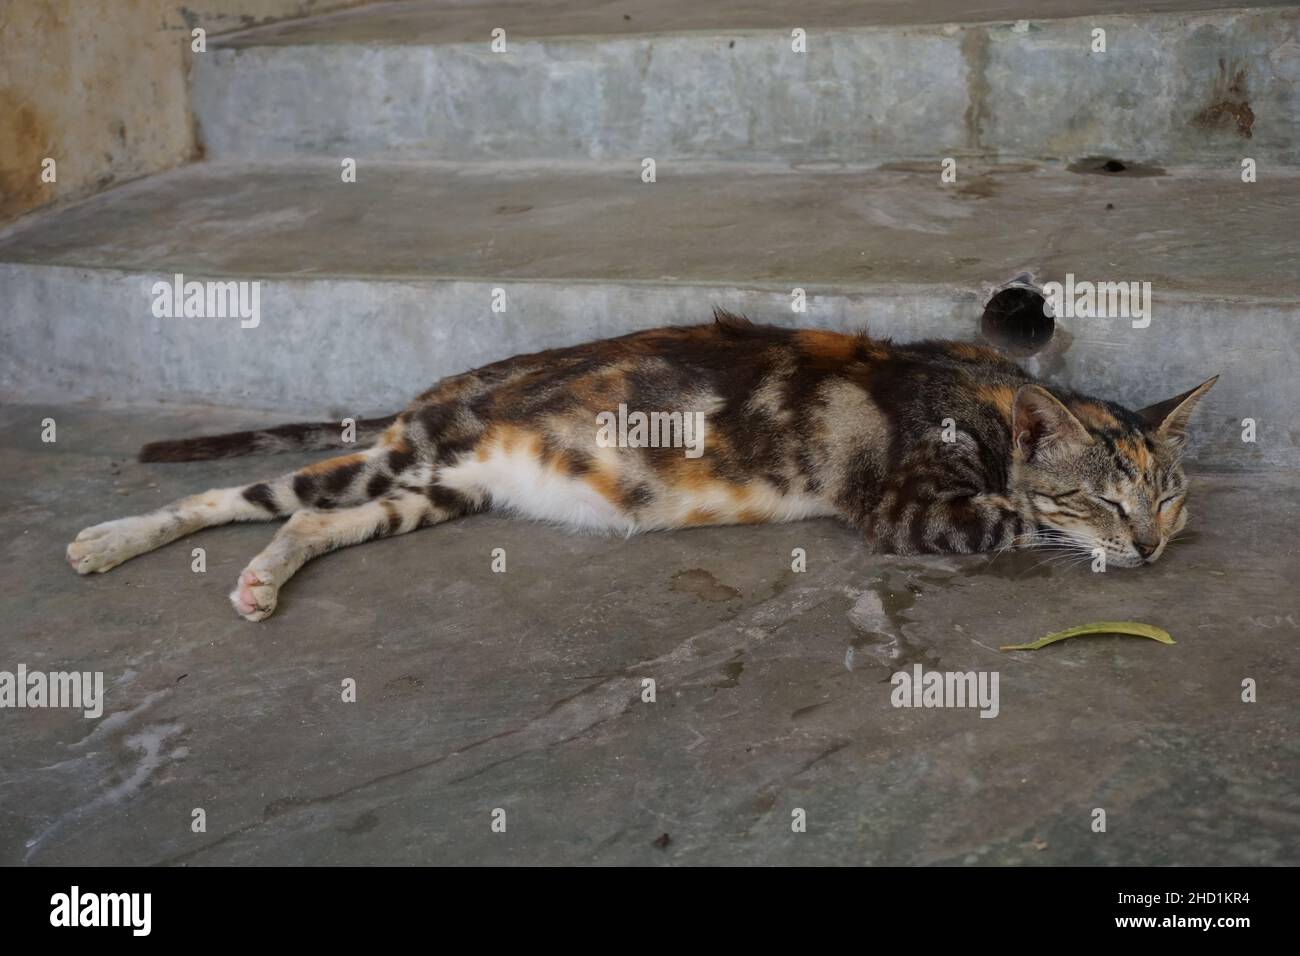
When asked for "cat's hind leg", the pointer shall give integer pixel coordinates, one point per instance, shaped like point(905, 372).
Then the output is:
point(344, 480)
point(309, 534)
point(104, 546)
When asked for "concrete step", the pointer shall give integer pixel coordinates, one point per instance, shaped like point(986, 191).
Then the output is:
point(1180, 82)
point(372, 290)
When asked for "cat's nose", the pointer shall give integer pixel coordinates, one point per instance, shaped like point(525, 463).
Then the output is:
point(1146, 548)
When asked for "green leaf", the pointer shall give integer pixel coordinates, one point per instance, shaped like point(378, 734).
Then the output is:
point(1131, 628)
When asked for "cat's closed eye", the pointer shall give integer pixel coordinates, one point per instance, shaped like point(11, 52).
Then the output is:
point(1117, 506)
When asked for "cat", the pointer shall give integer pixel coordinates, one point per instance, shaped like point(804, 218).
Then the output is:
point(928, 447)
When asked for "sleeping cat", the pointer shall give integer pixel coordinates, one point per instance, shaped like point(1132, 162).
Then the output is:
point(925, 448)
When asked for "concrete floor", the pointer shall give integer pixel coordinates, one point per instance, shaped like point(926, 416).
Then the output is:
point(522, 690)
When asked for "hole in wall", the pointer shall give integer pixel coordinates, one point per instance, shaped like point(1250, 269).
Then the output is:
point(1015, 321)
point(1111, 166)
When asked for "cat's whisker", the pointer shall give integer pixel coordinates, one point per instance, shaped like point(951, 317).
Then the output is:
point(1061, 556)
point(1047, 561)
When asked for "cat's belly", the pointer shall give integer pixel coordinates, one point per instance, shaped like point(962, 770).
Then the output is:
point(619, 494)
point(515, 478)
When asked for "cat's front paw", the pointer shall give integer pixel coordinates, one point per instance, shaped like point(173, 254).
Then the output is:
point(254, 597)
point(104, 546)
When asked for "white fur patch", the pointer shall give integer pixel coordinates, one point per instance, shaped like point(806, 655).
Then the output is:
point(515, 480)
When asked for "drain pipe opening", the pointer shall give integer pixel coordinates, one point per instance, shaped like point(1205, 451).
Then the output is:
point(1017, 321)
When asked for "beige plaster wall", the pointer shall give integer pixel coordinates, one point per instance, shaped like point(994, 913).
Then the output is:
point(100, 87)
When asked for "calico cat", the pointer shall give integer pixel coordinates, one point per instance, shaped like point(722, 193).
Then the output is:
point(925, 448)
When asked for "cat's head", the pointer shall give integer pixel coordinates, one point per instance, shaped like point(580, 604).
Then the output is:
point(1096, 475)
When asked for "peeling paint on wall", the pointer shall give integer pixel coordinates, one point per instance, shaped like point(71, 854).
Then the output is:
point(24, 143)
point(1229, 108)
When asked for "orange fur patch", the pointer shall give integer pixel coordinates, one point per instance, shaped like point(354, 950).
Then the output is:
point(1093, 415)
point(329, 464)
point(999, 396)
point(605, 483)
point(827, 346)
point(1136, 451)
point(678, 471)
point(394, 437)
point(700, 516)
point(506, 438)
point(975, 353)
point(566, 462)
point(601, 391)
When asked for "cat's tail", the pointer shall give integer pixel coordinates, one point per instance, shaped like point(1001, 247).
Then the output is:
point(265, 441)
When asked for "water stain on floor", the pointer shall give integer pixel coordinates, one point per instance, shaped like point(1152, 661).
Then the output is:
point(731, 672)
point(703, 585)
point(364, 823)
point(879, 616)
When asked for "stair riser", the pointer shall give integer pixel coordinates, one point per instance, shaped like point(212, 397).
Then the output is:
point(350, 347)
point(1176, 89)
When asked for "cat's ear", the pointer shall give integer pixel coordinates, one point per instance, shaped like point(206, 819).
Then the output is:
point(1168, 419)
point(1039, 422)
